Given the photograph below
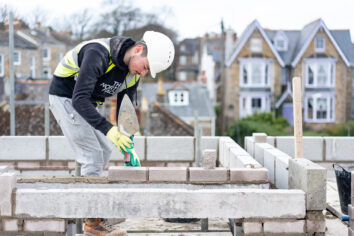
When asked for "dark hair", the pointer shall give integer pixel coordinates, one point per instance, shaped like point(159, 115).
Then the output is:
point(142, 43)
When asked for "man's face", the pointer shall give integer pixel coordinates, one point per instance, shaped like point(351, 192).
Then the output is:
point(138, 64)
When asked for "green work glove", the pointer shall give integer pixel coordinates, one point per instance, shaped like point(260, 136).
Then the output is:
point(119, 139)
point(134, 158)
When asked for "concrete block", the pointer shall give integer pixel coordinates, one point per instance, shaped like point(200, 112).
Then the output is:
point(44, 225)
point(312, 147)
point(271, 140)
point(3, 169)
point(351, 211)
point(28, 165)
point(224, 144)
point(170, 148)
point(314, 226)
point(249, 145)
point(339, 148)
point(209, 142)
point(259, 137)
point(45, 173)
point(178, 164)
point(7, 185)
point(250, 227)
point(350, 232)
point(159, 203)
point(198, 174)
point(259, 151)
point(282, 171)
point(311, 178)
point(243, 175)
point(139, 146)
point(10, 225)
point(244, 161)
point(23, 147)
point(284, 226)
point(59, 148)
point(209, 160)
point(124, 173)
point(171, 174)
point(269, 162)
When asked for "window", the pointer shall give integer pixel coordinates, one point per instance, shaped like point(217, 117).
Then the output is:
point(280, 45)
point(319, 108)
point(320, 44)
point(178, 98)
point(182, 48)
point(182, 60)
point(32, 66)
point(2, 65)
point(252, 103)
point(17, 58)
point(182, 76)
point(255, 73)
point(195, 58)
point(46, 54)
point(281, 41)
point(320, 73)
point(256, 45)
point(46, 73)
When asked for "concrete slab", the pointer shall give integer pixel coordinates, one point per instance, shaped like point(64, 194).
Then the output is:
point(23, 147)
point(170, 148)
point(165, 203)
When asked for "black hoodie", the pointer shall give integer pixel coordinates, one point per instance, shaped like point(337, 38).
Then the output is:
point(92, 84)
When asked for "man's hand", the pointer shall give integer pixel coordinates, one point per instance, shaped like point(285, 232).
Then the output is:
point(134, 158)
point(119, 139)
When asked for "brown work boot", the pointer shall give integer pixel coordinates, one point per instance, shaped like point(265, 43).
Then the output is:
point(99, 227)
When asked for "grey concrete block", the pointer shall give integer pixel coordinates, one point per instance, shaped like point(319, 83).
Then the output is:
point(3, 169)
point(10, 225)
point(59, 148)
point(126, 173)
point(312, 147)
point(160, 203)
point(284, 226)
point(223, 151)
point(249, 145)
point(259, 137)
point(172, 174)
point(259, 151)
point(311, 178)
point(198, 174)
point(170, 148)
point(23, 147)
point(7, 185)
point(282, 172)
point(139, 146)
point(339, 148)
point(46, 172)
point(209, 142)
point(271, 140)
point(209, 158)
point(44, 225)
point(243, 161)
point(246, 175)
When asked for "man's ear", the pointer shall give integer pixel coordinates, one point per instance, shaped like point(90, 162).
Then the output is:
point(138, 49)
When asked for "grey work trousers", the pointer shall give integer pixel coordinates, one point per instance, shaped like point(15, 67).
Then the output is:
point(91, 147)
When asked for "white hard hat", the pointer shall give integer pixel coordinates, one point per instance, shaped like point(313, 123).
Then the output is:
point(160, 51)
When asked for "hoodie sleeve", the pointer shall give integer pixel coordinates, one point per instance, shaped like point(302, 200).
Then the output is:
point(93, 64)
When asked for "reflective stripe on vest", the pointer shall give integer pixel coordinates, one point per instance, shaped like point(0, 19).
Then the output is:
point(130, 81)
point(69, 65)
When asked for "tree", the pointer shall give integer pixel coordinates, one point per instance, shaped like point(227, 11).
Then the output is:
point(79, 24)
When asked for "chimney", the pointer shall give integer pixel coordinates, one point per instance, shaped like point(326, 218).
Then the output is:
point(38, 25)
point(17, 24)
point(234, 36)
point(160, 92)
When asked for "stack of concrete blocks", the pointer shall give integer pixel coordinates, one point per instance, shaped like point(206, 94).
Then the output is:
point(311, 178)
point(13, 225)
point(351, 208)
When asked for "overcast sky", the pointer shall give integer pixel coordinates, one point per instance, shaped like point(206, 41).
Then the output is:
point(192, 18)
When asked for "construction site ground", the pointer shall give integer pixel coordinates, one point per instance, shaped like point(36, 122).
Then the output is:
point(220, 227)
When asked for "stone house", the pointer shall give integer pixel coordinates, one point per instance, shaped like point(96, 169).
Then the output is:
point(259, 72)
point(187, 60)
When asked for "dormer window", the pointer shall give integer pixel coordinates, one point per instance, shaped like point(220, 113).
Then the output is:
point(320, 44)
point(256, 45)
point(178, 98)
point(281, 41)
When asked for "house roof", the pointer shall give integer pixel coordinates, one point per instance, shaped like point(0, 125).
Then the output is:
point(41, 35)
point(307, 34)
point(198, 99)
point(191, 46)
point(245, 36)
point(19, 42)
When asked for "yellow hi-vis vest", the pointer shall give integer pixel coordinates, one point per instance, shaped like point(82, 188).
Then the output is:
point(69, 65)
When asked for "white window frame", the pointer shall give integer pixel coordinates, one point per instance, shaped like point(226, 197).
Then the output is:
point(247, 97)
point(331, 63)
point(2, 65)
point(256, 44)
point(17, 62)
point(178, 94)
point(47, 58)
point(33, 66)
point(182, 75)
point(49, 72)
point(248, 64)
point(320, 49)
point(330, 118)
point(182, 59)
point(280, 36)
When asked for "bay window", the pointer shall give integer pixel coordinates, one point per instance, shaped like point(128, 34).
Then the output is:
point(319, 107)
point(320, 73)
point(255, 72)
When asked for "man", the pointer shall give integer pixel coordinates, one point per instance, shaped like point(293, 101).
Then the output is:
point(89, 73)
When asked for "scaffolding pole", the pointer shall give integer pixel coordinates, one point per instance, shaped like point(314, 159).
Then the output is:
point(12, 77)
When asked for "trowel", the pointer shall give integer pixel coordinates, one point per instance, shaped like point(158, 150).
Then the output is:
point(128, 124)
